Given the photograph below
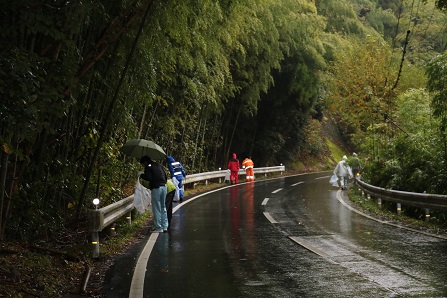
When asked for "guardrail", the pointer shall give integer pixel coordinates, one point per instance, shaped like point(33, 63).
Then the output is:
point(422, 200)
point(98, 219)
point(221, 174)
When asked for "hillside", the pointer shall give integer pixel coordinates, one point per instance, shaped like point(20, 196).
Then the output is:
point(333, 147)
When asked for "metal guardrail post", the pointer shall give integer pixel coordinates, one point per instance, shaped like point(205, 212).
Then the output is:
point(112, 230)
point(427, 214)
point(379, 202)
point(399, 208)
point(95, 243)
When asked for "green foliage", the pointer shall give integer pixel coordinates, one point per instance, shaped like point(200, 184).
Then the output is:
point(437, 82)
point(410, 215)
point(195, 67)
point(313, 144)
point(440, 4)
point(383, 21)
point(357, 90)
point(412, 160)
point(341, 17)
point(206, 78)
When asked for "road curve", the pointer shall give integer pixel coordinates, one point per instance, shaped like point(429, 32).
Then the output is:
point(294, 236)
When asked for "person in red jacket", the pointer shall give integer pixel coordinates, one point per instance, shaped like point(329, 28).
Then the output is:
point(233, 166)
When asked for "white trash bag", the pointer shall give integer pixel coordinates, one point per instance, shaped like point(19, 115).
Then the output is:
point(334, 180)
point(177, 190)
point(350, 173)
point(227, 176)
point(142, 197)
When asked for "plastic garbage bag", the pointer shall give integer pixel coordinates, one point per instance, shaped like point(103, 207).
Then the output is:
point(227, 176)
point(177, 190)
point(350, 173)
point(334, 180)
point(142, 197)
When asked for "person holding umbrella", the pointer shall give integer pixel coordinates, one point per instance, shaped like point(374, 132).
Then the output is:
point(156, 175)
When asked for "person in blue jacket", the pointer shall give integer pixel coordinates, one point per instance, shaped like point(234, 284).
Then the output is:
point(176, 169)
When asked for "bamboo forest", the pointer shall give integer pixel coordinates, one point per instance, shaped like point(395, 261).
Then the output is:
point(205, 79)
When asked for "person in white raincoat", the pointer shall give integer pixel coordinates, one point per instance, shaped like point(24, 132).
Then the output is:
point(343, 171)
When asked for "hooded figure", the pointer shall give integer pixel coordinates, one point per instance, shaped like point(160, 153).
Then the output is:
point(233, 166)
point(177, 171)
point(343, 171)
point(248, 165)
point(354, 163)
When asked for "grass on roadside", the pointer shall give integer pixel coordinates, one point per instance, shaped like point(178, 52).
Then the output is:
point(112, 245)
point(408, 217)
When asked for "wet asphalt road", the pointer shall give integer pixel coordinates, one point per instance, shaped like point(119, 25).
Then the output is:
point(288, 237)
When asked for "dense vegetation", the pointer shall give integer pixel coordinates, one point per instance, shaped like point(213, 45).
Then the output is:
point(205, 79)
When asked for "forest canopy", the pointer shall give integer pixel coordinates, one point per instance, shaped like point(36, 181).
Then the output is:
point(203, 79)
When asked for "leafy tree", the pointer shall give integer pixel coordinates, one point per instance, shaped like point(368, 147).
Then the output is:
point(413, 159)
point(437, 86)
point(38, 64)
point(284, 108)
point(358, 96)
point(201, 78)
point(341, 17)
point(383, 21)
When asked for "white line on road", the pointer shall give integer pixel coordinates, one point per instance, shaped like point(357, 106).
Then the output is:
point(340, 199)
point(295, 184)
point(278, 190)
point(265, 201)
point(269, 217)
point(309, 246)
point(137, 285)
point(369, 265)
point(324, 177)
point(136, 288)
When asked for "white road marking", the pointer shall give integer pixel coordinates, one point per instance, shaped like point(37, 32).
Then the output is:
point(295, 184)
point(306, 244)
point(269, 217)
point(278, 190)
point(137, 285)
point(324, 177)
point(376, 267)
point(340, 199)
point(265, 201)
